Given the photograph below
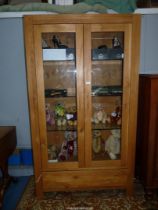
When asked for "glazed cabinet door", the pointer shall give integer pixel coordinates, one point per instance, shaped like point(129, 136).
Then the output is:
point(107, 93)
point(59, 73)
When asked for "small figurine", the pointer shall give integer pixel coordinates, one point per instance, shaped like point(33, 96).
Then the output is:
point(75, 153)
point(116, 43)
point(60, 114)
point(71, 116)
point(69, 147)
point(99, 117)
point(96, 141)
point(57, 43)
point(63, 152)
point(44, 44)
point(112, 144)
point(49, 115)
point(52, 152)
point(114, 118)
point(71, 138)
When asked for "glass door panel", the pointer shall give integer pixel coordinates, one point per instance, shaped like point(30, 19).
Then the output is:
point(106, 92)
point(59, 66)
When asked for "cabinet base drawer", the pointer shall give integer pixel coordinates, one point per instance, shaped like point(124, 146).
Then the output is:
point(87, 179)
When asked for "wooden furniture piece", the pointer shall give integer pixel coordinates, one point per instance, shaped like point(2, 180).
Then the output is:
point(147, 131)
point(147, 3)
point(7, 146)
point(82, 81)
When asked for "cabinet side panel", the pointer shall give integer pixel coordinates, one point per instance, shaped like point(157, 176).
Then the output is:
point(33, 108)
point(147, 146)
point(135, 55)
point(153, 144)
point(142, 128)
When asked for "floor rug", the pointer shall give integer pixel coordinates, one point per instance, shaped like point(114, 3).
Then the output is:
point(87, 200)
point(14, 192)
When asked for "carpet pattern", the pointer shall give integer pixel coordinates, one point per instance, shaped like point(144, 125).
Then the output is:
point(87, 200)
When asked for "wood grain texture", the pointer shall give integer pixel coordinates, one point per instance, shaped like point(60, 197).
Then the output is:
point(33, 107)
point(84, 179)
point(147, 146)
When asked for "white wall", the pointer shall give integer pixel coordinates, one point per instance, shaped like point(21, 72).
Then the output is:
point(13, 87)
point(13, 90)
point(149, 44)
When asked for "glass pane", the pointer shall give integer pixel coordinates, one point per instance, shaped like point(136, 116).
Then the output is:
point(107, 81)
point(60, 96)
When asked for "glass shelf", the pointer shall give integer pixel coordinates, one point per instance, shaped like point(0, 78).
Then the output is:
point(67, 54)
point(61, 128)
point(106, 90)
point(103, 156)
point(107, 54)
point(101, 126)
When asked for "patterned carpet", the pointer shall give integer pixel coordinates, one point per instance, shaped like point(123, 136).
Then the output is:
point(87, 200)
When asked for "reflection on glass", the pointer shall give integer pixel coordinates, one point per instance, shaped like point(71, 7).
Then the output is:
point(60, 96)
point(107, 82)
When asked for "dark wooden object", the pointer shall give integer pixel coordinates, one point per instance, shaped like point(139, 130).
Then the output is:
point(147, 132)
point(147, 3)
point(7, 146)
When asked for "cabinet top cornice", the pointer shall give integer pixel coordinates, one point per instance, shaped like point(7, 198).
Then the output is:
point(81, 18)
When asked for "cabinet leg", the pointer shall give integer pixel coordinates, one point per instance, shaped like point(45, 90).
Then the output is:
point(130, 188)
point(130, 191)
point(39, 187)
point(149, 194)
point(151, 197)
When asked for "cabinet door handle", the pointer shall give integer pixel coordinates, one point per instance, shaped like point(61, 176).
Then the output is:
point(88, 82)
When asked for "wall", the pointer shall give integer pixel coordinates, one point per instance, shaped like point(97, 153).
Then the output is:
point(13, 87)
point(149, 44)
point(13, 90)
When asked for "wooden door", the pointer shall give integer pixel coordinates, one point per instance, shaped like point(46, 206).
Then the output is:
point(59, 74)
point(107, 70)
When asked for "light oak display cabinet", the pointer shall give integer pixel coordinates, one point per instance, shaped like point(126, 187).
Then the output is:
point(82, 73)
